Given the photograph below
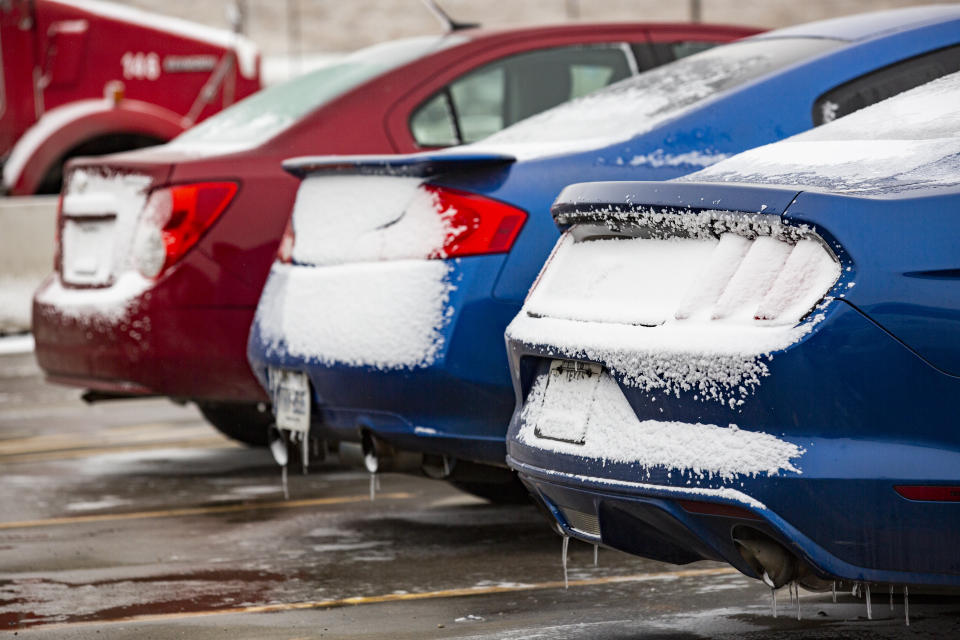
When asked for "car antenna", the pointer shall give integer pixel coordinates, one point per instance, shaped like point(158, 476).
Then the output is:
point(448, 22)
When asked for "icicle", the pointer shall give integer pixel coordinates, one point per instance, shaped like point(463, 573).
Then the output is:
point(283, 482)
point(833, 587)
point(773, 601)
point(869, 608)
point(596, 555)
point(304, 452)
point(373, 486)
point(906, 604)
point(563, 560)
point(796, 588)
point(891, 597)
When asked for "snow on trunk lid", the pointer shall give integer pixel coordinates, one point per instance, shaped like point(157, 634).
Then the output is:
point(99, 217)
point(679, 302)
point(342, 219)
point(362, 289)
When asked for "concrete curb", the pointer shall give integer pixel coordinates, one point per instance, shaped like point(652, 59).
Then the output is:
point(27, 228)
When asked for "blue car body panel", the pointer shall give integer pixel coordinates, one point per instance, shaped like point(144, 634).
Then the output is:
point(869, 394)
point(460, 404)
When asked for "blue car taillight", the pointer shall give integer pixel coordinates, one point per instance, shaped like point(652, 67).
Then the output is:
point(478, 225)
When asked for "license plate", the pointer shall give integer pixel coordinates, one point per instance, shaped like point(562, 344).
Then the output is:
point(88, 250)
point(567, 400)
point(290, 392)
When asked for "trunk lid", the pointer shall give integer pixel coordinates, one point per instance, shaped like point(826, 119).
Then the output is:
point(102, 201)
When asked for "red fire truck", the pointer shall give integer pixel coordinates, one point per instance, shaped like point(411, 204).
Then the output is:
point(86, 77)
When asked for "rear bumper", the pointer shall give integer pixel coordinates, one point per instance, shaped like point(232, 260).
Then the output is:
point(869, 414)
point(457, 403)
point(680, 525)
point(191, 352)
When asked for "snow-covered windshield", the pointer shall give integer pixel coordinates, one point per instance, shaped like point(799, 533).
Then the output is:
point(638, 104)
point(910, 141)
point(263, 115)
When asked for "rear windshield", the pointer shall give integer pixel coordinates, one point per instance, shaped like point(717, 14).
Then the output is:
point(263, 115)
point(635, 105)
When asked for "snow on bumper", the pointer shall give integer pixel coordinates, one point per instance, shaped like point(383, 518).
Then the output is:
point(608, 429)
point(387, 315)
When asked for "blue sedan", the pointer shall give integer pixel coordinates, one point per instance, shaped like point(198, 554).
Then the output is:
point(382, 323)
point(759, 363)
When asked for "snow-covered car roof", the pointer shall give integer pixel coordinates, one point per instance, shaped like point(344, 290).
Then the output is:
point(907, 143)
point(869, 25)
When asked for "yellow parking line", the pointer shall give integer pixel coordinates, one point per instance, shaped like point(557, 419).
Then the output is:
point(402, 597)
point(212, 442)
point(195, 511)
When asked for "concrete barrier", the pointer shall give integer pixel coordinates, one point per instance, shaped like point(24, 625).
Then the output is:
point(27, 227)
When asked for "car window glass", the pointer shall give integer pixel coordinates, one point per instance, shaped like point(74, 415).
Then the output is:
point(688, 48)
point(432, 125)
point(268, 112)
point(509, 90)
point(885, 83)
point(628, 108)
point(478, 99)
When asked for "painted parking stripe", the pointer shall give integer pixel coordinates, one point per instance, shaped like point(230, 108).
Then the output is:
point(197, 511)
point(403, 597)
point(210, 443)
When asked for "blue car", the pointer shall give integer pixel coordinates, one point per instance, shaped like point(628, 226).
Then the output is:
point(760, 363)
point(382, 323)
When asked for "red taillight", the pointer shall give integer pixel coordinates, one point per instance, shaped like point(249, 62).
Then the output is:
point(285, 249)
point(175, 218)
point(478, 225)
point(929, 493)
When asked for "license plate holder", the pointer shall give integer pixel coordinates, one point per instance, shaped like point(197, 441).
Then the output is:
point(290, 392)
point(568, 383)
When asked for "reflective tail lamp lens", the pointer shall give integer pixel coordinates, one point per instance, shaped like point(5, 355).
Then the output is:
point(285, 248)
point(478, 225)
point(174, 219)
point(766, 279)
point(929, 493)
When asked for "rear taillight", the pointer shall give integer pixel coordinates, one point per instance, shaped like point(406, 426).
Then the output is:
point(174, 219)
point(477, 225)
point(285, 248)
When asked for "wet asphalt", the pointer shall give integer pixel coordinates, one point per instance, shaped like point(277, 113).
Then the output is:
point(135, 519)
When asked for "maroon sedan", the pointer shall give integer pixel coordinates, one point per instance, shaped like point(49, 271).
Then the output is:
point(162, 252)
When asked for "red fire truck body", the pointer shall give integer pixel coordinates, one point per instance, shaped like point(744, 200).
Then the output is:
point(84, 77)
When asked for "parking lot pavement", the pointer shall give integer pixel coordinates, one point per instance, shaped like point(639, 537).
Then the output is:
point(134, 519)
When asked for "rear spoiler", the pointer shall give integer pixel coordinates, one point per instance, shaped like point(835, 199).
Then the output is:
point(414, 165)
point(586, 200)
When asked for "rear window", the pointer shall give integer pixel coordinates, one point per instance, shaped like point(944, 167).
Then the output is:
point(885, 83)
point(637, 104)
point(263, 115)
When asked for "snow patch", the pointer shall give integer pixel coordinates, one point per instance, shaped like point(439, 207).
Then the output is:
point(15, 295)
point(107, 303)
point(659, 159)
point(388, 315)
point(910, 141)
point(12, 345)
point(694, 314)
point(341, 219)
point(639, 104)
point(613, 433)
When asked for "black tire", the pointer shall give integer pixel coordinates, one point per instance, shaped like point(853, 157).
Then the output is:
point(510, 492)
point(246, 423)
